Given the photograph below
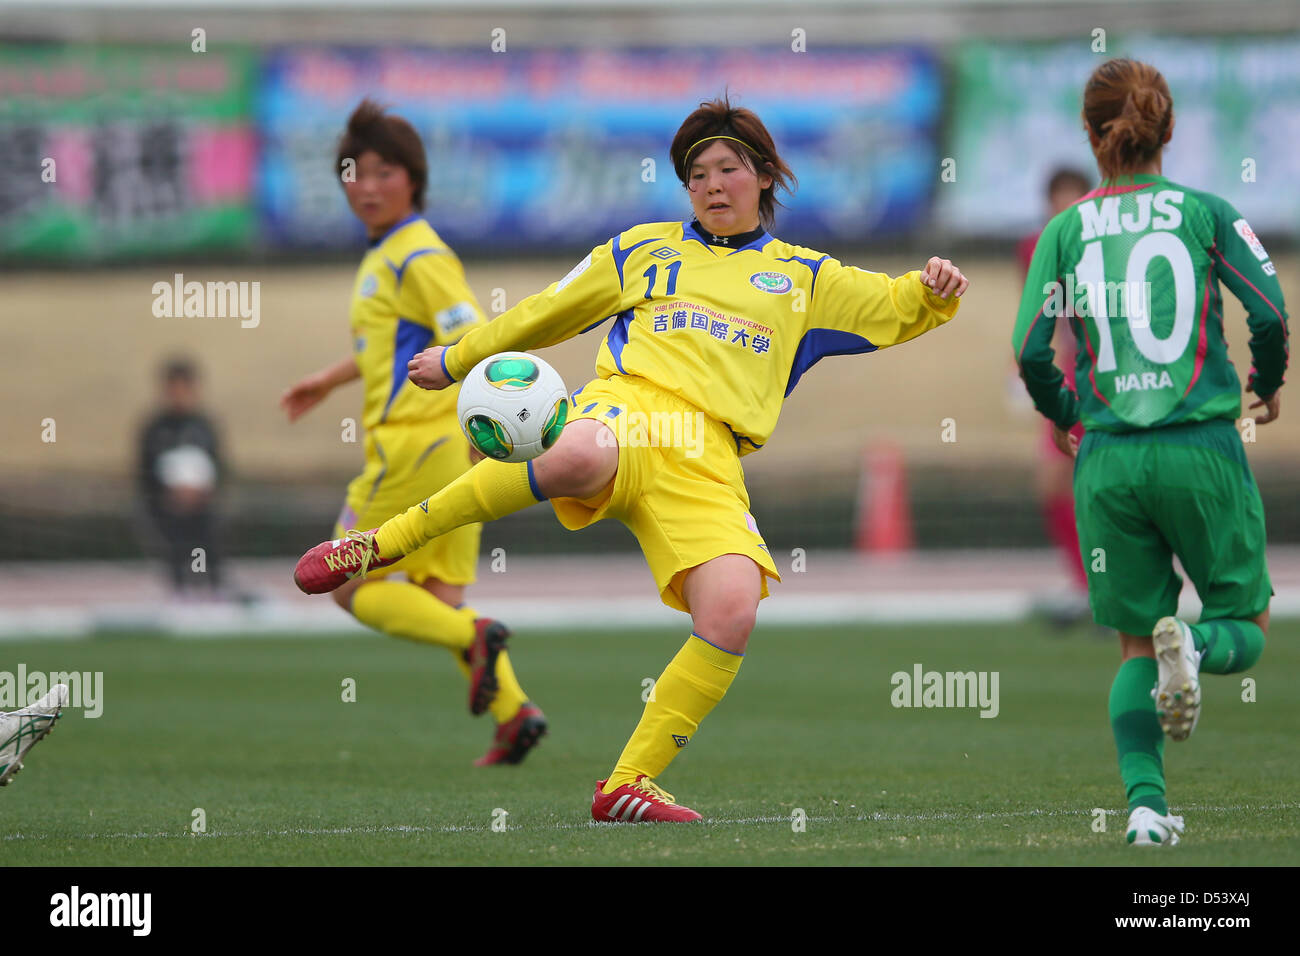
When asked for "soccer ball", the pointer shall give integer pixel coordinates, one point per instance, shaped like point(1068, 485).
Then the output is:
point(512, 406)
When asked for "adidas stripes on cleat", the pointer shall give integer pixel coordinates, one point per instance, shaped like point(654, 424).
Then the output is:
point(640, 802)
point(332, 564)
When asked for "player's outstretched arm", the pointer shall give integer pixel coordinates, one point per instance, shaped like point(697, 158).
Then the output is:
point(880, 310)
point(592, 291)
point(307, 393)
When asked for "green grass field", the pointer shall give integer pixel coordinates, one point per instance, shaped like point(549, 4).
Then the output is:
point(255, 732)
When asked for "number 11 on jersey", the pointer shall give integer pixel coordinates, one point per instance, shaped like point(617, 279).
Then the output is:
point(672, 279)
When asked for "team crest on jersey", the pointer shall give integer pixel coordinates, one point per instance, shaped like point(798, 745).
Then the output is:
point(774, 282)
point(369, 286)
point(663, 252)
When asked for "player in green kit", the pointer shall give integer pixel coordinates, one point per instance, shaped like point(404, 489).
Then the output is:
point(1135, 268)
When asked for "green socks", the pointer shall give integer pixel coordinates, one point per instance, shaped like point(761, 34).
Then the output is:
point(1228, 646)
point(1139, 740)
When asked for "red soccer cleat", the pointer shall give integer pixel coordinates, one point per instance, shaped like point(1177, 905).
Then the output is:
point(640, 802)
point(481, 656)
point(516, 737)
point(331, 565)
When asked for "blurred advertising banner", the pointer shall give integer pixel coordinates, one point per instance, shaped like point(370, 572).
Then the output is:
point(1016, 117)
point(542, 148)
point(116, 151)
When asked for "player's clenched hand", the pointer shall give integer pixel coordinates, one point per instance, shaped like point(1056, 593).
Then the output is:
point(944, 278)
point(1067, 443)
point(425, 370)
point(1272, 408)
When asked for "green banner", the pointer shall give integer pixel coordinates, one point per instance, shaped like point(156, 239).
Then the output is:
point(115, 152)
point(1015, 117)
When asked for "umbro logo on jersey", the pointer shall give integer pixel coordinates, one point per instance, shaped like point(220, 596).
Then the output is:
point(663, 252)
point(681, 741)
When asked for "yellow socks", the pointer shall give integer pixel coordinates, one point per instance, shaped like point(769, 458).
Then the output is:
point(407, 610)
point(489, 490)
point(692, 683)
point(509, 694)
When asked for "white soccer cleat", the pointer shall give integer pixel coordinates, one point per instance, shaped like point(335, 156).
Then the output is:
point(1148, 828)
point(21, 730)
point(1178, 688)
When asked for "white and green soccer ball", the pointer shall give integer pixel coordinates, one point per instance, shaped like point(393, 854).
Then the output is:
point(512, 406)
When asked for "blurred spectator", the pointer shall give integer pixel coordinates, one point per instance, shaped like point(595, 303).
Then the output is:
point(180, 471)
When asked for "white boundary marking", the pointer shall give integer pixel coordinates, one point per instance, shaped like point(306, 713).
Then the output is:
point(877, 817)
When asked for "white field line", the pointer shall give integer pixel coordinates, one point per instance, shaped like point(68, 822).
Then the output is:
point(876, 817)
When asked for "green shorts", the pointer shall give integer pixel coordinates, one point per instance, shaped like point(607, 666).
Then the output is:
point(1185, 490)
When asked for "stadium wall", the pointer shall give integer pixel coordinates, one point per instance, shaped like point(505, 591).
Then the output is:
point(86, 350)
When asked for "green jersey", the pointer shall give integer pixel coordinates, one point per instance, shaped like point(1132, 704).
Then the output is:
point(1135, 267)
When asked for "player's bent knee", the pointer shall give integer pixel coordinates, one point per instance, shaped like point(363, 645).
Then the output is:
point(727, 623)
point(583, 461)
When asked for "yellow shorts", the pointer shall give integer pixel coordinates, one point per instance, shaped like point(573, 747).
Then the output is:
point(404, 465)
point(680, 487)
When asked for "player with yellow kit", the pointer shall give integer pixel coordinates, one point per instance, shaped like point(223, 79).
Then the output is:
point(714, 322)
point(410, 294)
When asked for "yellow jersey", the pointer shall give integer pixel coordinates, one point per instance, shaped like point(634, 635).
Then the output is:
point(410, 293)
point(730, 331)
